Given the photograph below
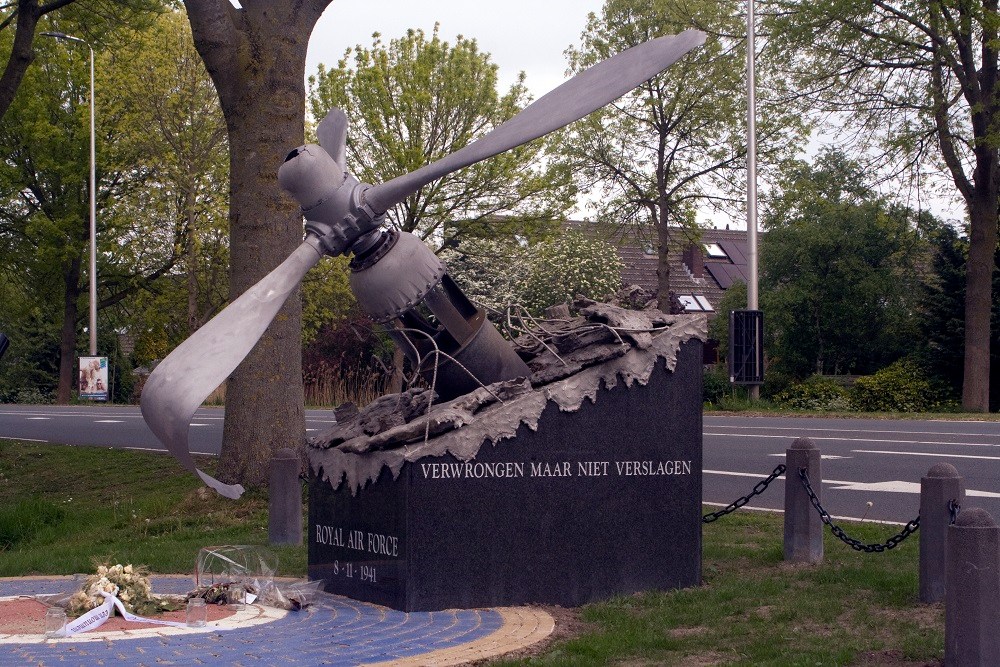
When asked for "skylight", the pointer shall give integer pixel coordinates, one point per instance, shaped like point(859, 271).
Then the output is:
point(695, 303)
point(715, 251)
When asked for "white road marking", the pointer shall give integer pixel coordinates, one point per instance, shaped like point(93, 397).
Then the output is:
point(838, 518)
point(197, 424)
point(897, 442)
point(108, 421)
point(36, 418)
point(852, 430)
point(844, 485)
point(937, 454)
point(901, 487)
point(14, 437)
point(824, 456)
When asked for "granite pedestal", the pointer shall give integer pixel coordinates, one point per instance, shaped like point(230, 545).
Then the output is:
point(594, 503)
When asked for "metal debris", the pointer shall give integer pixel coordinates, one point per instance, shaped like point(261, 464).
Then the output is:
point(570, 359)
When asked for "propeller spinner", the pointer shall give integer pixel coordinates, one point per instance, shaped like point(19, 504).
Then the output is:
point(343, 215)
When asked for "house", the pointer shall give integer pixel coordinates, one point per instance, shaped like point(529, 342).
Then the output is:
point(700, 273)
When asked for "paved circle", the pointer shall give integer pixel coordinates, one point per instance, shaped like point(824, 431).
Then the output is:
point(334, 631)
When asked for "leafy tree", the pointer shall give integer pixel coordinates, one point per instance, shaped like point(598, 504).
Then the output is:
point(90, 20)
point(839, 272)
point(416, 100)
point(160, 162)
point(678, 141)
point(256, 55)
point(44, 199)
point(186, 188)
point(942, 304)
point(918, 81)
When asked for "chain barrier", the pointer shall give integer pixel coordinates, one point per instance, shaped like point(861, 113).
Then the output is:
point(758, 489)
point(857, 545)
point(953, 509)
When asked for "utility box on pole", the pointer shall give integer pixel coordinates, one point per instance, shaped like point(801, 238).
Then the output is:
point(746, 347)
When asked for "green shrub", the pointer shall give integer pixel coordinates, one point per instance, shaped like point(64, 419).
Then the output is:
point(715, 384)
point(816, 393)
point(900, 387)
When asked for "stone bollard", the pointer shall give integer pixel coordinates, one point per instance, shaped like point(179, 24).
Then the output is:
point(941, 485)
point(284, 518)
point(972, 607)
point(803, 525)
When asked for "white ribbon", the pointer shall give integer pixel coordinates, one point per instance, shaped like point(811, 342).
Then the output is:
point(96, 617)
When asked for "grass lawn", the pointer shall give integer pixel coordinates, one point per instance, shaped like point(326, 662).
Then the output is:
point(63, 507)
point(754, 609)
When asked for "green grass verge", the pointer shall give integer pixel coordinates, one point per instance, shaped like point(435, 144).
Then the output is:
point(754, 609)
point(63, 508)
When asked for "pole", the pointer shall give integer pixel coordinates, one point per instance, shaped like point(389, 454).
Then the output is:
point(93, 218)
point(752, 302)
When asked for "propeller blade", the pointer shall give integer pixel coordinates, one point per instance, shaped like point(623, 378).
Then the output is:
point(332, 133)
point(583, 94)
point(182, 381)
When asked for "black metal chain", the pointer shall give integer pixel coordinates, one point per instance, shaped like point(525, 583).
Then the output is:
point(953, 509)
point(758, 489)
point(857, 545)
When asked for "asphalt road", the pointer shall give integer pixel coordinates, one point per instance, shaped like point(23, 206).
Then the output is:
point(864, 460)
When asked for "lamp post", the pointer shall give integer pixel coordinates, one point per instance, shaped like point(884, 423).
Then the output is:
point(93, 196)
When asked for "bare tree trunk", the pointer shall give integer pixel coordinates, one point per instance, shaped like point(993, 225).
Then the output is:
point(664, 244)
point(256, 57)
point(191, 262)
point(978, 304)
point(67, 337)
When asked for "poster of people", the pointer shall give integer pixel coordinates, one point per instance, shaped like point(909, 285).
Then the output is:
point(94, 378)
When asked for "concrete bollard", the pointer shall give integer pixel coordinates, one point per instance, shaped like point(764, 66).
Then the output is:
point(803, 525)
point(941, 485)
point(284, 518)
point(972, 606)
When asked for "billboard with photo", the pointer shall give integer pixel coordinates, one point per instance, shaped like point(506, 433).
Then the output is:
point(94, 378)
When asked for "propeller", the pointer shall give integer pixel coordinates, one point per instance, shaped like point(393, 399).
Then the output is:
point(339, 210)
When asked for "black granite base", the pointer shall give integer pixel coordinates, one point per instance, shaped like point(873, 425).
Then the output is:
point(600, 502)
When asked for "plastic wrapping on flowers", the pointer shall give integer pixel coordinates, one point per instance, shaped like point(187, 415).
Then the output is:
point(245, 574)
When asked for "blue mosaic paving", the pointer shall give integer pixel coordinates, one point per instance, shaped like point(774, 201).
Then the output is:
point(334, 631)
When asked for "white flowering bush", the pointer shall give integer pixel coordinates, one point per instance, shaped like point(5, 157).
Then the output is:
point(130, 584)
point(570, 265)
point(489, 271)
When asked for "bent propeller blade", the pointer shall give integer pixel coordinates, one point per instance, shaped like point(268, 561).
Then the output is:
point(585, 93)
point(182, 381)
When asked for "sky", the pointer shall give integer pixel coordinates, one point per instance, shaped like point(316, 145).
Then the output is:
point(520, 35)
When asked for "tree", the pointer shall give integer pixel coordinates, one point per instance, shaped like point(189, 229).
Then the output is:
point(90, 20)
point(942, 305)
point(676, 142)
point(256, 54)
point(919, 81)
point(839, 272)
point(44, 199)
point(417, 100)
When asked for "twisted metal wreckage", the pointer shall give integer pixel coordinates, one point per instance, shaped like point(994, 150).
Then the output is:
point(403, 285)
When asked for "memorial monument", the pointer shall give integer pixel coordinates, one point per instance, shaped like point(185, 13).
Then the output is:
point(562, 470)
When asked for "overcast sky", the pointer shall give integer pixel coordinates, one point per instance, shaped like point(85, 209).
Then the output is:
point(520, 35)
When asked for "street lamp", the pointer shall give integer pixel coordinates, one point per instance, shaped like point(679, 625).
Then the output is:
point(93, 196)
